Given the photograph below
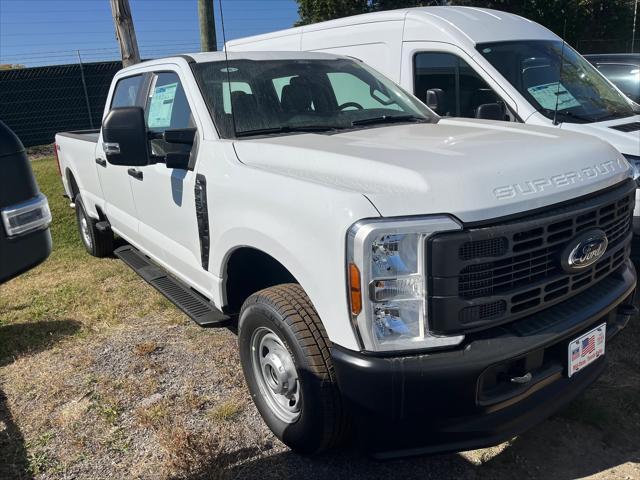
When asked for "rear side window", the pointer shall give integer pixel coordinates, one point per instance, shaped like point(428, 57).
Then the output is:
point(126, 92)
point(463, 89)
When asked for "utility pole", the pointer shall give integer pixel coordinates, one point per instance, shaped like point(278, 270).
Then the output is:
point(125, 33)
point(633, 35)
point(207, 26)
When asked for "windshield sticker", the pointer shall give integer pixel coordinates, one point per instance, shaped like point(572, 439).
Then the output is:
point(546, 96)
point(162, 105)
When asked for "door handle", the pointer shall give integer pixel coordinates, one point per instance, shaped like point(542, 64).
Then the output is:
point(137, 174)
point(102, 162)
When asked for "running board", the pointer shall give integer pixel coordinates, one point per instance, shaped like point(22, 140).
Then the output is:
point(194, 305)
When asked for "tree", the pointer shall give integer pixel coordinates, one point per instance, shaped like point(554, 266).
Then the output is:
point(312, 11)
point(591, 25)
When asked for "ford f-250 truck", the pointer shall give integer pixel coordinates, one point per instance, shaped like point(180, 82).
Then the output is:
point(437, 286)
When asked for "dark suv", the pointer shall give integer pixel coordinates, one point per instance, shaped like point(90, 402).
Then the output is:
point(25, 239)
point(623, 69)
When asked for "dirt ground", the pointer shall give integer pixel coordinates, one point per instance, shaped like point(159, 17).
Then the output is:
point(100, 377)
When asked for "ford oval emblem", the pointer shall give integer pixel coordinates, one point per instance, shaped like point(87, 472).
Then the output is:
point(584, 250)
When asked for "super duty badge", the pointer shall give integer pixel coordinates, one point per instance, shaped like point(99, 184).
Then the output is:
point(538, 185)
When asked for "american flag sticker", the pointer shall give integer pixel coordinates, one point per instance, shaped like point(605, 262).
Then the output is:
point(588, 345)
point(587, 349)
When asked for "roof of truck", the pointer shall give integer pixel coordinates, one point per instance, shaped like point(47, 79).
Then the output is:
point(200, 57)
point(469, 24)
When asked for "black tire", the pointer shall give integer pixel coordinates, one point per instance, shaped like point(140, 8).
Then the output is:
point(97, 243)
point(287, 311)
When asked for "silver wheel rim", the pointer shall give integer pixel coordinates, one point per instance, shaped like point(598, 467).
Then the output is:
point(275, 374)
point(84, 228)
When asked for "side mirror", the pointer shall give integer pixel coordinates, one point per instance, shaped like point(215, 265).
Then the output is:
point(181, 136)
point(435, 99)
point(124, 136)
point(178, 160)
point(490, 111)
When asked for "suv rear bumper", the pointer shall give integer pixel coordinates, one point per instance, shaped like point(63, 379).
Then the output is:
point(464, 399)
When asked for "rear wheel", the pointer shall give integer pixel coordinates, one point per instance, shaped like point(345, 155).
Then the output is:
point(287, 365)
point(98, 243)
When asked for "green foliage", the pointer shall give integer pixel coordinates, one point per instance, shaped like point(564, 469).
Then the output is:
point(591, 25)
point(312, 11)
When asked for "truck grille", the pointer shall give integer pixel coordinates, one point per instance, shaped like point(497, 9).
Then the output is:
point(480, 277)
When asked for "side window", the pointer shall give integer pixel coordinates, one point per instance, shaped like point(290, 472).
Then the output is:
point(350, 89)
point(126, 92)
point(167, 107)
point(463, 90)
point(625, 76)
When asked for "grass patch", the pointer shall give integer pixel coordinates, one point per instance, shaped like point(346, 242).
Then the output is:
point(226, 411)
point(71, 293)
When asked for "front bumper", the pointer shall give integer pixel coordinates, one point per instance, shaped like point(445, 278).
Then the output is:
point(464, 399)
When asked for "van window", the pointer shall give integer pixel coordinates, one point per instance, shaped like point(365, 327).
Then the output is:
point(624, 76)
point(126, 92)
point(463, 89)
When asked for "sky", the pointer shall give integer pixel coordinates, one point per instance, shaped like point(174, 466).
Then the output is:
point(45, 32)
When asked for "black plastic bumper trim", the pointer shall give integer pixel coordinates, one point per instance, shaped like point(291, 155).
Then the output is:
point(429, 402)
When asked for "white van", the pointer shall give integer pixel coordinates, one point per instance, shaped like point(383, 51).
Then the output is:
point(478, 63)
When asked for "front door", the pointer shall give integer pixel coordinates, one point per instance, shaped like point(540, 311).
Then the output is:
point(165, 197)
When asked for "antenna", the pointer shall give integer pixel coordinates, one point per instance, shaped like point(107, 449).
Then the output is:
point(555, 113)
point(226, 59)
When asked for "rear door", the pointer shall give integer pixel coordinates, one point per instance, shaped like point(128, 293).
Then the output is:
point(165, 197)
point(119, 206)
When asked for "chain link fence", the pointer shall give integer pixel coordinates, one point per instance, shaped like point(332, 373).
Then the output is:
point(38, 102)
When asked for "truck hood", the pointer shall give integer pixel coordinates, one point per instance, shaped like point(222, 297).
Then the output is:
point(471, 169)
point(626, 142)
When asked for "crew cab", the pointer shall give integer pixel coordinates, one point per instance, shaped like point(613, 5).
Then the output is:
point(472, 62)
point(432, 285)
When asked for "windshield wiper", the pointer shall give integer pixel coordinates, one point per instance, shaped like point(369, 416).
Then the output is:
point(287, 129)
point(575, 116)
point(388, 119)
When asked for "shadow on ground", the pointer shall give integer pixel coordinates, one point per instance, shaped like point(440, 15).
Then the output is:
point(17, 340)
point(597, 433)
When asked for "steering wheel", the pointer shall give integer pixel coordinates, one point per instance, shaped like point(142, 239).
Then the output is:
point(350, 104)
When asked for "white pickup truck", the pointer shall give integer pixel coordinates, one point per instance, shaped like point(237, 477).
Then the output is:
point(435, 285)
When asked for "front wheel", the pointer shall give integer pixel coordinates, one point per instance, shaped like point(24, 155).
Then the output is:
point(287, 365)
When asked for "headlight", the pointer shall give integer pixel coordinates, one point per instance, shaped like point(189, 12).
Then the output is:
point(26, 217)
point(386, 269)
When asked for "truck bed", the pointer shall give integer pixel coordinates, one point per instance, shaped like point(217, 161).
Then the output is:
point(86, 135)
point(77, 154)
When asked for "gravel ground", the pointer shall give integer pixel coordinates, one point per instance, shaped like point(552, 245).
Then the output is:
point(157, 400)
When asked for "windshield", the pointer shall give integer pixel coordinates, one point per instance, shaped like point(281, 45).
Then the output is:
point(249, 97)
point(533, 67)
